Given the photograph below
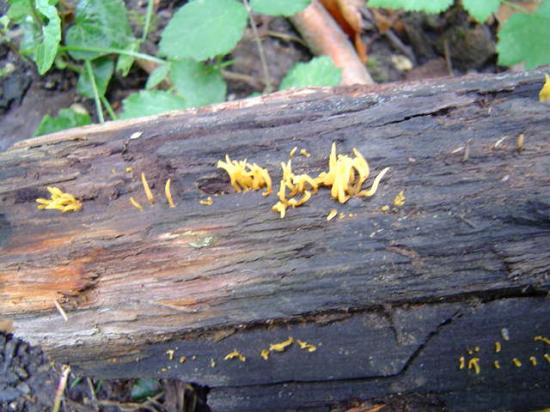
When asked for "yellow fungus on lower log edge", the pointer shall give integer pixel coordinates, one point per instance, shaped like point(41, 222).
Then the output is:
point(305, 153)
point(281, 346)
point(235, 355)
point(542, 339)
point(547, 357)
point(168, 193)
point(207, 202)
point(170, 354)
point(496, 364)
point(498, 347)
point(182, 359)
point(399, 199)
point(147, 189)
point(293, 152)
point(64, 202)
point(264, 354)
point(517, 363)
point(474, 364)
point(306, 346)
point(136, 204)
point(332, 214)
point(461, 362)
point(533, 360)
point(544, 93)
point(385, 208)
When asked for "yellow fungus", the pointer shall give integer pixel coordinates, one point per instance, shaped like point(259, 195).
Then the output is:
point(129, 169)
point(542, 339)
point(281, 346)
point(212, 363)
point(264, 354)
point(64, 202)
point(306, 346)
point(520, 142)
point(505, 334)
point(170, 354)
point(496, 364)
point(547, 357)
point(182, 359)
point(474, 364)
point(136, 204)
point(147, 189)
point(206, 202)
point(235, 355)
point(476, 349)
point(385, 208)
point(498, 347)
point(544, 93)
point(279, 207)
point(168, 193)
point(331, 214)
point(399, 199)
point(533, 360)
point(245, 176)
point(461, 362)
point(305, 153)
point(374, 187)
point(293, 152)
point(517, 363)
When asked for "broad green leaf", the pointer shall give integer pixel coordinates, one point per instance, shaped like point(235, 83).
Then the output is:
point(144, 388)
point(279, 7)
point(46, 50)
point(481, 9)
point(65, 119)
point(157, 76)
point(203, 29)
point(99, 24)
point(19, 9)
point(198, 83)
point(428, 6)
point(103, 71)
point(124, 62)
point(319, 71)
point(524, 38)
point(149, 102)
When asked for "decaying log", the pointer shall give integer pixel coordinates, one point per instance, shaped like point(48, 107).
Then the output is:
point(392, 301)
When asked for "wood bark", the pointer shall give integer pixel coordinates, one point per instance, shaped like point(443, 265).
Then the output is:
point(392, 300)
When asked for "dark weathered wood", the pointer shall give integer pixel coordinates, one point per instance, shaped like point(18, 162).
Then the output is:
point(391, 300)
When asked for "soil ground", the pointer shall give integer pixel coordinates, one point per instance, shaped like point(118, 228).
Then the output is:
point(449, 44)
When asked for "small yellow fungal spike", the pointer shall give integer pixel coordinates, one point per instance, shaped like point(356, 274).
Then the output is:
point(293, 152)
point(170, 354)
point(129, 169)
point(498, 347)
point(235, 355)
point(264, 354)
point(305, 153)
point(147, 189)
point(461, 363)
point(374, 187)
point(279, 207)
point(496, 364)
point(182, 359)
point(136, 204)
point(517, 363)
point(207, 202)
point(399, 199)
point(474, 364)
point(385, 208)
point(544, 93)
point(306, 346)
point(168, 193)
point(281, 346)
point(547, 357)
point(64, 202)
point(332, 214)
point(533, 360)
point(542, 339)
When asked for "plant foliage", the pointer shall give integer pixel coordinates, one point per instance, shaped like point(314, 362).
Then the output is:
point(280, 7)
point(65, 119)
point(319, 71)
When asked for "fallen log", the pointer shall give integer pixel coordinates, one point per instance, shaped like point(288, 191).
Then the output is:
point(441, 299)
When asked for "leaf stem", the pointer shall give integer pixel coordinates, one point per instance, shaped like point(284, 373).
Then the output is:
point(148, 17)
point(137, 55)
point(267, 78)
point(98, 107)
point(109, 108)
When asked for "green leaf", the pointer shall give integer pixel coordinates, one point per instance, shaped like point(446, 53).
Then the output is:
point(157, 76)
point(99, 24)
point(144, 388)
point(103, 71)
point(65, 119)
point(203, 29)
point(149, 102)
point(524, 38)
point(46, 50)
point(19, 9)
point(428, 6)
point(481, 9)
point(124, 62)
point(319, 71)
point(279, 7)
point(197, 82)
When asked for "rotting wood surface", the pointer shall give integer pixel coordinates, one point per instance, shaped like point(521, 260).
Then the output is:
point(391, 300)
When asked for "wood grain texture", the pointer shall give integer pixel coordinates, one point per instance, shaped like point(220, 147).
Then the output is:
point(472, 235)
